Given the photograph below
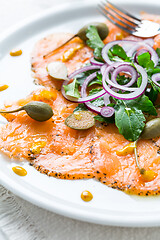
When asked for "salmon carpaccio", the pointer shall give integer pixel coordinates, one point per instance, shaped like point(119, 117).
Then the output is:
point(59, 151)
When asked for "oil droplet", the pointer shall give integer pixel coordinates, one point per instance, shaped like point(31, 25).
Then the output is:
point(128, 149)
point(19, 171)
point(148, 175)
point(3, 87)
point(86, 196)
point(15, 52)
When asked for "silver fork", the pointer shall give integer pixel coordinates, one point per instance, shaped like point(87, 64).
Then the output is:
point(128, 22)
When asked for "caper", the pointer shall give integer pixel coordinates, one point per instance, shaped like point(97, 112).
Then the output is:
point(151, 129)
point(80, 120)
point(102, 30)
point(101, 27)
point(38, 111)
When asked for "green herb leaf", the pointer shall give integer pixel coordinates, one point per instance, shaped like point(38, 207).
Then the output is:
point(129, 120)
point(156, 70)
point(152, 94)
point(143, 59)
point(150, 66)
point(122, 79)
point(72, 89)
point(98, 102)
point(82, 76)
point(96, 81)
point(94, 41)
point(80, 107)
point(139, 81)
point(142, 103)
point(117, 50)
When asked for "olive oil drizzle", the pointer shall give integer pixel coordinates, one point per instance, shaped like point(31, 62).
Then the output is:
point(86, 196)
point(20, 171)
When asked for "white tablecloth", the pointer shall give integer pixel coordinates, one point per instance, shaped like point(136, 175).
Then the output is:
point(21, 220)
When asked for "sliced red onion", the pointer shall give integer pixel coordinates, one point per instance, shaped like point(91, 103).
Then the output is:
point(106, 99)
point(111, 44)
point(95, 62)
point(156, 78)
point(84, 69)
point(93, 108)
point(83, 89)
point(107, 111)
point(103, 68)
point(125, 68)
point(89, 105)
point(137, 91)
point(132, 38)
point(154, 55)
point(149, 41)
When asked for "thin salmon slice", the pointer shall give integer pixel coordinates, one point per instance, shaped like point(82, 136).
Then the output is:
point(56, 150)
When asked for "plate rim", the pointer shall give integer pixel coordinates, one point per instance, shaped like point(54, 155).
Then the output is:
point(128, 221)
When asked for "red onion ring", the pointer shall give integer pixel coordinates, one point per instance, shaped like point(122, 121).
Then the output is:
point(125, 68)
point(149, 41)
point(103, 68)
point(134, 45)
point(95, 62)
point(137, 91)
point(154, 55)
point(106, 99)
point(91, 106)
point(156, 78)
point(84, 86)
point(107, 111)
point(84, 69)
point(111, 44)
point(121, 67)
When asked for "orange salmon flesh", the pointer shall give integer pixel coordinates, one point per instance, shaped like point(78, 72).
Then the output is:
point(59, 151)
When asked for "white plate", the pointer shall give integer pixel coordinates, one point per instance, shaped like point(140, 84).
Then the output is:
point(110, 207)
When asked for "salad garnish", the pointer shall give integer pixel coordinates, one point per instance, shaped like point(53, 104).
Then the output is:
point(123, 78)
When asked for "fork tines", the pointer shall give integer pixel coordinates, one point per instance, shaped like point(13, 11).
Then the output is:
point(119, 17)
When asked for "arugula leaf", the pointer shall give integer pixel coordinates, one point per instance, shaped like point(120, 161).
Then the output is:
point(142, 103)
point(72, 89)
point(96, 81)
point(152, 94)
point(94, 91)
point(122, 79)
point(139, 81)
point(80, 107)
point(81, 77)
point(117, 54)
point(117, 50)
point(129, 120)
point(104, 119)
point(94, 41)
point(98, 102)
point(114, 58)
